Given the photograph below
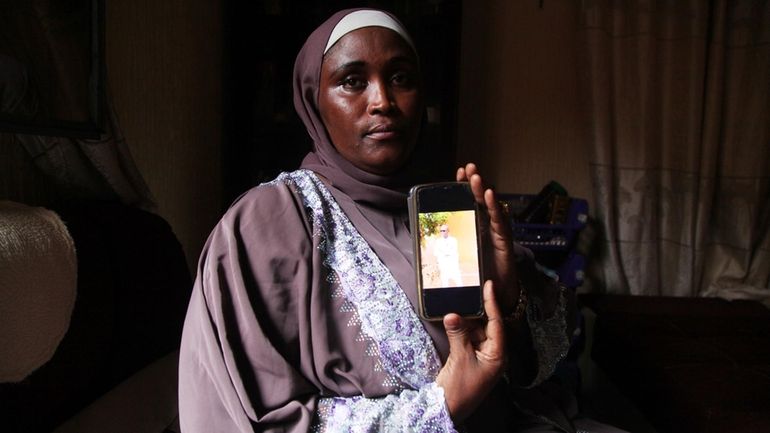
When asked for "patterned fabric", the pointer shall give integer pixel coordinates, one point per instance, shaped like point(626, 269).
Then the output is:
point(388, 325)
point(549, 335)
point(417, 411)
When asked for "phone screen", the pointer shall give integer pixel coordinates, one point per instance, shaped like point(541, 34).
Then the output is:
point(448, 262)
point(449, 249)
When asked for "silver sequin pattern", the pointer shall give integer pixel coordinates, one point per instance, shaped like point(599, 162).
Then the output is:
point(549, 336)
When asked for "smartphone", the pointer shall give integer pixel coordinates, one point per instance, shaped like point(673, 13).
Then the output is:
point(444, 219)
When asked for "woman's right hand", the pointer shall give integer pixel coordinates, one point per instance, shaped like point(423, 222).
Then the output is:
point(476, 358)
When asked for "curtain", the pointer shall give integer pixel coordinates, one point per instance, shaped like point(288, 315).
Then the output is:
point(677, 95)
point(42, 70)
point(99, 169)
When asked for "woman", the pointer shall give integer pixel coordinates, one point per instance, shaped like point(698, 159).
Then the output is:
point(303, 312)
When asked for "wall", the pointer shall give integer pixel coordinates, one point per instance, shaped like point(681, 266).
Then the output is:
point(519, 110)
point(164, 69)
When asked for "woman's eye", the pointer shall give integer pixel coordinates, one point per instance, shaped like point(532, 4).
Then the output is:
point(353, 83)
point(402, 79)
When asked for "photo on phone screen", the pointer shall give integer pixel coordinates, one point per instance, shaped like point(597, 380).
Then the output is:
point(448, 249)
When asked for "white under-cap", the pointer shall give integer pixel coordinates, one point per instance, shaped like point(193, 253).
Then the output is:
point(366, 18)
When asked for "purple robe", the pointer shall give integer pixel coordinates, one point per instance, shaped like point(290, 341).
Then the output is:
point(315, 334)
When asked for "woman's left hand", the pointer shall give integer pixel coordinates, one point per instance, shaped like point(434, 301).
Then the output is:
point(500, 265)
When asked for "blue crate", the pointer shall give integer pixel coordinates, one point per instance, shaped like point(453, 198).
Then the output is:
point(553, 244)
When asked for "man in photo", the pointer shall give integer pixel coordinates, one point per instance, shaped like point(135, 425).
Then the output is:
point(447, 257)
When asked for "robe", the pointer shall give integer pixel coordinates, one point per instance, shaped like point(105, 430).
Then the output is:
point(296, 324)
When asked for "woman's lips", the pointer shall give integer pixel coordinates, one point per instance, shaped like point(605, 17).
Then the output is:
point(383, 133)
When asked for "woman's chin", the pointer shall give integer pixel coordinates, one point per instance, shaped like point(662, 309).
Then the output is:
point(383, 169)
point(385, 164)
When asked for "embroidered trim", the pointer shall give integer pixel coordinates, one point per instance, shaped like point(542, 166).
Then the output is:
point(549, 335)
point(378, 305)
point(409, 411)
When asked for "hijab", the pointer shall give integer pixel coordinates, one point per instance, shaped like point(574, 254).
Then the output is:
point(381, 191)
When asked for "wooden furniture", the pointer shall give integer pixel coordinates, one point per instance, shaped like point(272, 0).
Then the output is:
point(690, 364)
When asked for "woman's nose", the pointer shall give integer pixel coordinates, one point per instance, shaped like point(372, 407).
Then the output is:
point(380, 98)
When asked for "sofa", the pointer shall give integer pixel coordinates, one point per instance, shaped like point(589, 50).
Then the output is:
point(115, 367)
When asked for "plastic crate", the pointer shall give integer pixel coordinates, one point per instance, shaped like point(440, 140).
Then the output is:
point(554, 245)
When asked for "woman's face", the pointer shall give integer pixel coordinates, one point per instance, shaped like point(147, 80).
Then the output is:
point(370, 99)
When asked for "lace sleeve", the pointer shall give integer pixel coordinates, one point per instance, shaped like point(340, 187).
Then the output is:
point(549, 332)
point(423, 410)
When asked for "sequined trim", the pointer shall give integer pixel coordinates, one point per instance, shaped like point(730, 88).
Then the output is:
point(549, 335)
point(378, 305)
point(409, 411)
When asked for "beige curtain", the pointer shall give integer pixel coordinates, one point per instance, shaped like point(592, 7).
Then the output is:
point(678, 102)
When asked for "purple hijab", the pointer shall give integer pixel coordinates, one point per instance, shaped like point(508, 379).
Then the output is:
point(384, 192)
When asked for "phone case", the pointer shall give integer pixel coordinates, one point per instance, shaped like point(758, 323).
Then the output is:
point(469, 297)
